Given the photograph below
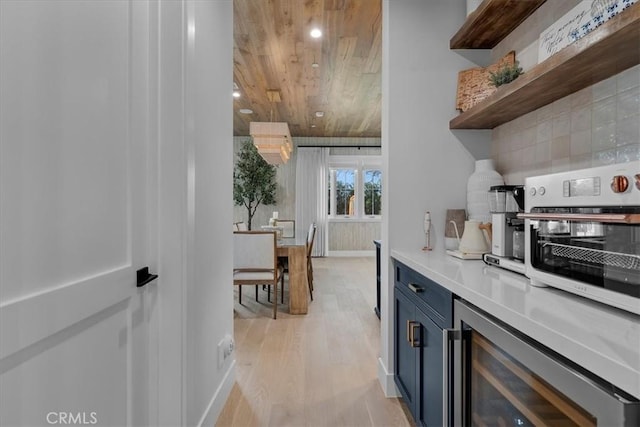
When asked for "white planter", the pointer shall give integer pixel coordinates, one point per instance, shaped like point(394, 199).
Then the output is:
point(483, 178)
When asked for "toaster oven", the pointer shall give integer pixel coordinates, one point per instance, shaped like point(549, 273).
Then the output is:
point(582, 233)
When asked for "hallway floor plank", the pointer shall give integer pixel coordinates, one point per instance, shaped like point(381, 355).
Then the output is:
point(313, 370)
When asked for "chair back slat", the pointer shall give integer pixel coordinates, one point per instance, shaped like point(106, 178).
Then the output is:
point(311, 235)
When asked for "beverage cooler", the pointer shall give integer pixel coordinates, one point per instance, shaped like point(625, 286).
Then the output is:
point(495, 376)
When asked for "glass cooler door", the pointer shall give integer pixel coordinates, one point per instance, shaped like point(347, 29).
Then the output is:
point(501, 377)
point(505, 393)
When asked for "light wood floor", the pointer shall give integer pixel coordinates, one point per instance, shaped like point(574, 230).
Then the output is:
point(318, 369)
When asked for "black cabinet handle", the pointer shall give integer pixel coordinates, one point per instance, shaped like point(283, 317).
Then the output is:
point(448, 336)
point(415, 288)
point(144, 277)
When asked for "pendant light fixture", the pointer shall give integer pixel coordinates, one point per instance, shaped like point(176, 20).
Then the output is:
point(272, 139)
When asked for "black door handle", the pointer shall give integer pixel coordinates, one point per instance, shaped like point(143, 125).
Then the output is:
point(144, 277)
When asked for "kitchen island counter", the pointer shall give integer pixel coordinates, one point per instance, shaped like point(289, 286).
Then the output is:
point(602, 339)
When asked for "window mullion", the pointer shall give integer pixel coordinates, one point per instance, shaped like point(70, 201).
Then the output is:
point(360, 193)
point(333, 194)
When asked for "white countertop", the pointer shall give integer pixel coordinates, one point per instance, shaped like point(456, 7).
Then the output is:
point(604, 340)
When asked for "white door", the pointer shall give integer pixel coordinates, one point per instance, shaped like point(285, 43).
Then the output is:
point(75, 190)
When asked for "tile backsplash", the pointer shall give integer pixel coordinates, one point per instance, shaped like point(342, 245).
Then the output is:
point(597, 125)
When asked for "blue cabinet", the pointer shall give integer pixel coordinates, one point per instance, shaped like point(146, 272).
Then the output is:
point(405, 353)
point(422, 309)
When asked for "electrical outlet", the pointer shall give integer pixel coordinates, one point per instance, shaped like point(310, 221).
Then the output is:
point(221, 352)
point(232, 345)
point(229, 346)
point(225, 349)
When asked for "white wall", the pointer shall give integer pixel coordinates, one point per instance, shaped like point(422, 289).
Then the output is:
point(426, 166)
point(195, 132)
point(209, 304)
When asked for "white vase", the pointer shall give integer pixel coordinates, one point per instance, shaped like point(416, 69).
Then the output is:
point(483, 178)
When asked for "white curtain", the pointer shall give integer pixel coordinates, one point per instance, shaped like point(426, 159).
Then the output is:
point(312, 194)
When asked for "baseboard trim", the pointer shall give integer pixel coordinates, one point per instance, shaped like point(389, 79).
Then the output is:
point(352, 253)
point(386, 381)
point(219, 398)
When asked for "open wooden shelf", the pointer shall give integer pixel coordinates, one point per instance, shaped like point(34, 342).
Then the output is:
point(492, 21)
point(609, 49)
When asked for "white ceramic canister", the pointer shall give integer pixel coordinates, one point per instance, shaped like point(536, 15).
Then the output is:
point(479, 183)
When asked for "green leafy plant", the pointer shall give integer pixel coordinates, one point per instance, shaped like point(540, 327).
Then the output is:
point(254, 181)
point(506, 74)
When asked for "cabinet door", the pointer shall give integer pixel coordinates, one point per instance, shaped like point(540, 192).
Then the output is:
point(405, 355)
point(429, 402)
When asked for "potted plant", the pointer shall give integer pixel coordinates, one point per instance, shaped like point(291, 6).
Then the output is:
point(506, 74)
point(254, 181)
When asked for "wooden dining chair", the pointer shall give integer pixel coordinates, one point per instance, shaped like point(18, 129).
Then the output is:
point(283, 261)
point(311, 235)
point(255, 262)
point(288, 230)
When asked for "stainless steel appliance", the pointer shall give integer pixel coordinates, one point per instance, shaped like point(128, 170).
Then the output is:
point(501, 378)
point(582, 233)
point(507, 239)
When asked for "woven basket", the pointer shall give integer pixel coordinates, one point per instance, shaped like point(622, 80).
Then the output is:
point(474, 84)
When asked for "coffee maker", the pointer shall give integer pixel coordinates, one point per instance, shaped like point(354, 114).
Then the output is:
point(507, 239)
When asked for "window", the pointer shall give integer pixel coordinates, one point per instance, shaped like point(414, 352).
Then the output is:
point(345, 191)
point(372, 191)
point(355, 187)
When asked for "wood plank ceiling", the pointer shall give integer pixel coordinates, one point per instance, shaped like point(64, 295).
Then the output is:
point(273, 51)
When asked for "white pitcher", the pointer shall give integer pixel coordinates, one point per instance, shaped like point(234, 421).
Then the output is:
point(473, 239)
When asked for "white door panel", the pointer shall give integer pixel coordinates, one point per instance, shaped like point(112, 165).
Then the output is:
point(25, 321)
point(42, 381)
point(64, 173)
point(74, 118)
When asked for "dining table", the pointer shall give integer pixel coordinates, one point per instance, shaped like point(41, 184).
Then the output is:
point(295, 249)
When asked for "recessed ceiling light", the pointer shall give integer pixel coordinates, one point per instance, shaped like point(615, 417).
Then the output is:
point(319, 113)
point(236, 94)
point(313, 126)
point(245, 111)
point(316, 33)
point(315, 65)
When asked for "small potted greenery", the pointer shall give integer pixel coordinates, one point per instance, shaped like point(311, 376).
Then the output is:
point(506, 74)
